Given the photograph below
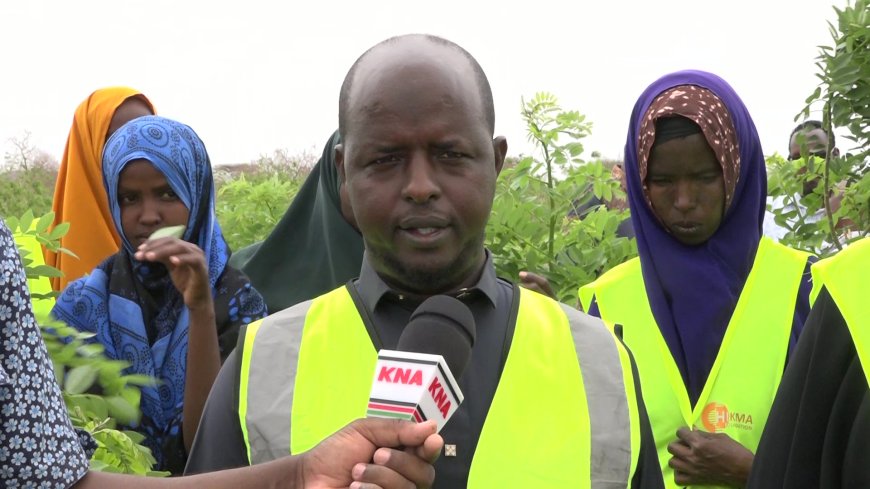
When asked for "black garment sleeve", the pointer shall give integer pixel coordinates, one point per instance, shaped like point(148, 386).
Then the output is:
point(647, 474)
point(818, 431)
point(219, 443)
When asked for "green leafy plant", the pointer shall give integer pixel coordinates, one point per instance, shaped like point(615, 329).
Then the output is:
point(842, 189)
point(28, 227)
point(250, 203)
point(81, 368)
point(532, 226)
point(249, 210)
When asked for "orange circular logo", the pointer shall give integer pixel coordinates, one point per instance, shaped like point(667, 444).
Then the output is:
point(714, 417)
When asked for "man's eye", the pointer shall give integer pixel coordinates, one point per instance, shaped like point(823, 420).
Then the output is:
point(126, 199)
point(169, 195)
point(385, 160)
point(450, 155)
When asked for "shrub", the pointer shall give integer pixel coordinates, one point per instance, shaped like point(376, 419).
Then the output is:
point(530, 227)
point(250, 203)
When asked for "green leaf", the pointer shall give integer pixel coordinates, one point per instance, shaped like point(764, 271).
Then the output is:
point(47, 295)
point(66, 251)
point(26, 221)
point(44, 222)
point(12, 223)
point(121, 409)
point(141, 380)
point(80, 379)
point(93, 406)
point(46, 271)
point(59, 231)
point(815, 95)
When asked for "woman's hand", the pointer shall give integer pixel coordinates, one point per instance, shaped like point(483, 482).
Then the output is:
point(701, 458)
point(187, 269)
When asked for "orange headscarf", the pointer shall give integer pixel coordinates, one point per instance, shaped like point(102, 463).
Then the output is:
point(79, 196)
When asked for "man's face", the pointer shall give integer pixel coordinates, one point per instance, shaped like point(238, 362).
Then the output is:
point(420, 166)
point(816, 141)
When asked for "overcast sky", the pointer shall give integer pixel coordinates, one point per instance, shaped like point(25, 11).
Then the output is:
point(252, 76)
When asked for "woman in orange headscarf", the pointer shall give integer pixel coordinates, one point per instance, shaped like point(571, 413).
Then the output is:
point(79, 197)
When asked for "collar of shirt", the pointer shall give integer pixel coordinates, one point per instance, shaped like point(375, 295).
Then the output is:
point(372, 289)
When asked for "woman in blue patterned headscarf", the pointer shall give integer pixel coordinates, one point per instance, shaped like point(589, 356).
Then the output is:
point(170, 307)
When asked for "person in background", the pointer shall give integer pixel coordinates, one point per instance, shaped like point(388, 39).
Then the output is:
point(40, 448)
point(314, 248)
point(170, 307)
point(818, 433)
point(710, 309)
point(79, 198)
point(419, 162)
point(807, 139)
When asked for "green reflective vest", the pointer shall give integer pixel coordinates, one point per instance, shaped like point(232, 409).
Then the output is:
point(742, 383)
point(846, 275)
point(564, 413)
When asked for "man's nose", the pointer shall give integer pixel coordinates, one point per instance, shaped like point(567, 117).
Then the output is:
point(421, 185)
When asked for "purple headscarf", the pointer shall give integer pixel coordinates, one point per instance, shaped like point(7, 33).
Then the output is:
point(693, 290)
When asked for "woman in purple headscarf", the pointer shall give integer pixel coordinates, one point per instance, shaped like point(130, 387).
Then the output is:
point(710, 309)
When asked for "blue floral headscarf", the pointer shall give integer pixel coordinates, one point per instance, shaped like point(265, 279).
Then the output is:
point(177, 152)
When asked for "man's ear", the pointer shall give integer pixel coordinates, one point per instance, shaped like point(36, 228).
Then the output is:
point(499, 150)
point(339, 163)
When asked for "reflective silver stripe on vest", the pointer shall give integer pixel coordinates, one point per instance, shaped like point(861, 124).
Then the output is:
point(273, 376)
point(603, 382)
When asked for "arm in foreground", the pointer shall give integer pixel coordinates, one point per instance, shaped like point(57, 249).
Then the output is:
point(366, 454)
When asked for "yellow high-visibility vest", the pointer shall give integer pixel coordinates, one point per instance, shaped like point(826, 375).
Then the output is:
point(564, 413)
point(742, 383)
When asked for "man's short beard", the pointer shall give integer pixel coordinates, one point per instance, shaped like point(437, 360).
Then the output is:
point(421, 281)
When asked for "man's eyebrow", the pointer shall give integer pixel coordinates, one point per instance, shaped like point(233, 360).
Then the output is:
point(448, 144)
point(388, 148)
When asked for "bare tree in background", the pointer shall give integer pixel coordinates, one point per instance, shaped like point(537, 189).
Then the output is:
point(24, 156)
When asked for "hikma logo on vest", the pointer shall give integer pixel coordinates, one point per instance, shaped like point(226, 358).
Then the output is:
point(716, 417)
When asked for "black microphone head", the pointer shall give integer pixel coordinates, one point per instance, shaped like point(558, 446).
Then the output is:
point(444, 326)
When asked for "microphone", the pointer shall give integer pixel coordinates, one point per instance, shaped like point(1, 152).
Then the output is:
point(417, 381)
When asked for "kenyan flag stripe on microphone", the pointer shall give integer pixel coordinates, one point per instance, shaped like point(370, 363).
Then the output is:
point(383, 408)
